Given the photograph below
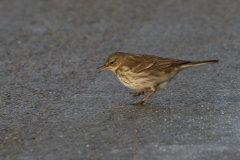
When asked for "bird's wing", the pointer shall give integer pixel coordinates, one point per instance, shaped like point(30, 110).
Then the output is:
point(139, 63)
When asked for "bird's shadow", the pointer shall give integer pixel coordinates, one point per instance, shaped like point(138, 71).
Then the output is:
point(195, 107)
point(192, 101)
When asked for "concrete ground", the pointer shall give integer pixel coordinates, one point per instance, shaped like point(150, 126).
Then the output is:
point(55, 105)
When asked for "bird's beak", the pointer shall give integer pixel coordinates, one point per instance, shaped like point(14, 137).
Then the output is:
point(104, 68)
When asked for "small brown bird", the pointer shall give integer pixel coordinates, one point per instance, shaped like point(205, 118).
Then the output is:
point(145, 73)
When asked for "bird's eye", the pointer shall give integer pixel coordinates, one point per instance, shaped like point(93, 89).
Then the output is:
point(112, 62)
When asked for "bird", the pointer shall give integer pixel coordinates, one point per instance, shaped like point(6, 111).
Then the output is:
point(146, 73)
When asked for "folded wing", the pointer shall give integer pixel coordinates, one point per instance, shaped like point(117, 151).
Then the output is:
point(138, 63)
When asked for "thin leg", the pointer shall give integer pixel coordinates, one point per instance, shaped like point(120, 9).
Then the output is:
point(137, 94)
point(142, 102)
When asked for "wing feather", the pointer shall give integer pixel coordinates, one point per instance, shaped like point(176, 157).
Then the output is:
point(140, 62)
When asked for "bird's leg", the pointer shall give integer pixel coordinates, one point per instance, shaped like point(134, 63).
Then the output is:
point(137, 94)
point(142, 101)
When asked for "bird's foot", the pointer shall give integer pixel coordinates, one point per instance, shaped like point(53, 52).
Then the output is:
point(140, 103)
point(137, 94)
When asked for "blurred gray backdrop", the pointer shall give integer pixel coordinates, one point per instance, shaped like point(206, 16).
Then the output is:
point(55, 105)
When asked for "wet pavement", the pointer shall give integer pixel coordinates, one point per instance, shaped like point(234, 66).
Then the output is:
point(55, 105)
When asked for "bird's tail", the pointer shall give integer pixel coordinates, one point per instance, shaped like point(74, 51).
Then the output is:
point(195, 63)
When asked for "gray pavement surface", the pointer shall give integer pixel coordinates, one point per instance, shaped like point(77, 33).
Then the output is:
point(55, 105)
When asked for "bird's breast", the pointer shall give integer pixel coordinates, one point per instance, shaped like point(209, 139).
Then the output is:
point(134, 81)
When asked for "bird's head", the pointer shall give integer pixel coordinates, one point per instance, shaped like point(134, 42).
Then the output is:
point(113, 61)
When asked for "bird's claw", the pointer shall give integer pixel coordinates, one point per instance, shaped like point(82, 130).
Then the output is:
point(140, 103)
point(137, 94)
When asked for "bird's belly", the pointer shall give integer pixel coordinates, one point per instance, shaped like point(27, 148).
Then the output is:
point(140, 85)
point(143, 82)
point(138, 82)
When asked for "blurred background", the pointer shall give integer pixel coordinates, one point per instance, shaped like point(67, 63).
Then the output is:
point(55, 105)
